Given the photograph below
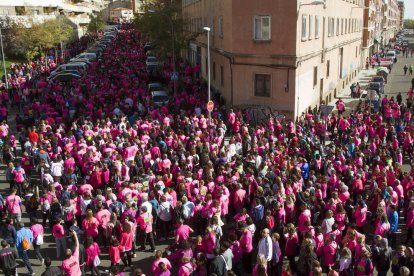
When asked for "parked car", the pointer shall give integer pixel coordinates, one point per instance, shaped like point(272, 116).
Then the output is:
point(78, 67)
point(154, 86)
point(160, 98)
point(88, 56)
point(372, 99)
point(151, 61)
point(377, 86)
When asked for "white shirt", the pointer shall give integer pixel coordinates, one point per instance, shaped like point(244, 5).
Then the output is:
point(265, 248)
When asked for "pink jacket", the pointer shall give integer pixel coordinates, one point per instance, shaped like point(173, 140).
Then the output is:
point(91, 252)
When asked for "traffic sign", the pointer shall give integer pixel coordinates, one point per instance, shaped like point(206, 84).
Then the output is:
point(174, 76)
point(210, 106)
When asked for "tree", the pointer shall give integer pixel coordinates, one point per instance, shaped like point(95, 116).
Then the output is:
point(163, 23)
point(37, 39)
point(409, 23)
point(96, 24)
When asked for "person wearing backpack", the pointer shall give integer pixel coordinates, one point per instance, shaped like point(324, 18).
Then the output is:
point(8, 256)
point(38, 234)
point(13, 203)
point(144, 227)
point(24, 240)
point(19, 178)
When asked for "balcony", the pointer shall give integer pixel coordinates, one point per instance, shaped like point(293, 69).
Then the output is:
point(26, 21)
point(79, 20)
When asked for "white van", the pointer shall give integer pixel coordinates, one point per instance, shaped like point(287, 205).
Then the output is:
point(391, 54)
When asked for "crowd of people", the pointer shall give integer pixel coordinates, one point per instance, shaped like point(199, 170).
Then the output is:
point(105, 171)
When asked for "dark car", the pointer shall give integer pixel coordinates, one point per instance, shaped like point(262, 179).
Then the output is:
point(377, 86)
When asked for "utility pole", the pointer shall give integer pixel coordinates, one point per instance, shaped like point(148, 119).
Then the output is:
point(4, 61)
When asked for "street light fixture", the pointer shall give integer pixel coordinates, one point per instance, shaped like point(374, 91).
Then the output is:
point(207, 29)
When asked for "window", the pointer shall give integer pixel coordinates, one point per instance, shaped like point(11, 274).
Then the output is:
point(262, 85)
point(315, 76)
point(212, 25)
point(316, 26)
point(262, 28)
point(356, 51)
point(20, 10)
point(221, 75)
point(310, 26)
point(342, 26)
point(304, 27)
point(328, 65)
point(220, 26)
point(214, 71)
point(331, 26)
point(337, 26)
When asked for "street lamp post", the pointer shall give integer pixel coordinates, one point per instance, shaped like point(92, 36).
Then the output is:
point(4, 61)
point(208, 63)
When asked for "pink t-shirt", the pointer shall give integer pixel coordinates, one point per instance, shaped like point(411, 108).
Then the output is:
point(70, 266)
point(13, 204)
point(91, 227)
point(58, 231)
point(183, 232)
point(246, 241)
point(37, 230)
point(91, 252)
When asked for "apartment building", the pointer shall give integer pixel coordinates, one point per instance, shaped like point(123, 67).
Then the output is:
point(289, 55)
point(25, 11)
point(401, 8)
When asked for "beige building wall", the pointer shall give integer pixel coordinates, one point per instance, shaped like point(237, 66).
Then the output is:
point(304, 70)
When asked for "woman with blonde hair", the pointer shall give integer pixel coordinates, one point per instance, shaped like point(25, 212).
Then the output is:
point(260, 269)
point(90, 225)
point(345, 262)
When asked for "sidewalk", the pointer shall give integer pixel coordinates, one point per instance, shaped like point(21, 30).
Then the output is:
point(363, 77)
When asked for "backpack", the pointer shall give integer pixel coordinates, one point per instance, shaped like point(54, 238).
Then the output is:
point(25, 244)
point(18, 176)
point(69, 216)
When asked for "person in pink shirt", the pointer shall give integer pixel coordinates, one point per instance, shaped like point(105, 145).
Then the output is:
point(114, 252)
point(13, 204)
point(303, 217)
point(159, 259)
point(127, 238)
point(183, 231)
point(92, 252)
point(90, 225)
point(58, 232)
point(103, 216)
point(70, 266)
point(410, 223)
point(246, 243)
point(329, 251)
point(38, 234)
point(144, 227)
point(360, 215)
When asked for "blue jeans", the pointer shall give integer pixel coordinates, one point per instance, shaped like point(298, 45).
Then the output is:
point(25, 258)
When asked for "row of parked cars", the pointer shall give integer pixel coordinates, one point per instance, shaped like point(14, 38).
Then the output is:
point(159, 94)
point(78, 65)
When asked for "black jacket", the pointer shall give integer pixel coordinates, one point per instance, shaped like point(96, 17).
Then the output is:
point(52, 271)
point(8, 258)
